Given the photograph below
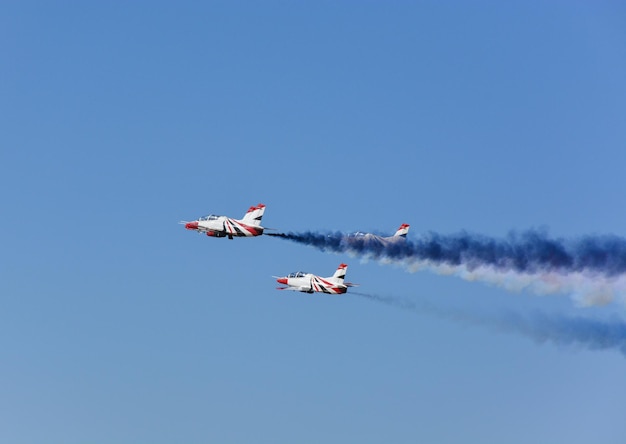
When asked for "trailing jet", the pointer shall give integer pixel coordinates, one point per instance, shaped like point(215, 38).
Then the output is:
point(310, 283)
point(369, 237)
point(222, 226)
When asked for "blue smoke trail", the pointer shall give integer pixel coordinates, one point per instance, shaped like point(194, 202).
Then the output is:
point(527, 252)
point(592, 268)
point(591, 334)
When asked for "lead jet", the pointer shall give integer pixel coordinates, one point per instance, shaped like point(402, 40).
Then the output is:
point(399, 235)
point(222, 226)
point(310, 283)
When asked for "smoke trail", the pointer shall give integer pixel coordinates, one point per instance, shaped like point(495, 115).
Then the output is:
point(591, 268)
point(590, 334)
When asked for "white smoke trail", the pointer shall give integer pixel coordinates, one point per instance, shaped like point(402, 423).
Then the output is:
point(586, 289)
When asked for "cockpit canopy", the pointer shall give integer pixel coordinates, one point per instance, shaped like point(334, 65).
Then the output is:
point(297, 274)
point(209, 217)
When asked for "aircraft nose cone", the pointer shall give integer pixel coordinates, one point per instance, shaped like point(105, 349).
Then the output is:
point(282, 281)
point(191, 225)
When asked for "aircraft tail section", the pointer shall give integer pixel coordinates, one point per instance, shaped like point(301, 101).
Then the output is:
point(340, 274)
point(403, 230)
point(254, 215)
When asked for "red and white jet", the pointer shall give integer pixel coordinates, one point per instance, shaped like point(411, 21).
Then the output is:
point(310, 283)
point(399, 235)
point(222, 226)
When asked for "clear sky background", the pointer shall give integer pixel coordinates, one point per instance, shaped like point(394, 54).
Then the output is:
point(119, 119)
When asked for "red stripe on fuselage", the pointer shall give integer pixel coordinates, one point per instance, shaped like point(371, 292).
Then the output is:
point(252, 230)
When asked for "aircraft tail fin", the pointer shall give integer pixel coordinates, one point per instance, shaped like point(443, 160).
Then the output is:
point(254, 215)
point(403, 230)
point(340, 274)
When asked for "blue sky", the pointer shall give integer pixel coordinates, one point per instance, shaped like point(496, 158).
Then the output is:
point(118, 120)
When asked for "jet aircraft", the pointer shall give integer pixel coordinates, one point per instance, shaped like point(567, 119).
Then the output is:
point(310, 283)
point(222, 226)
point(400, 234)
